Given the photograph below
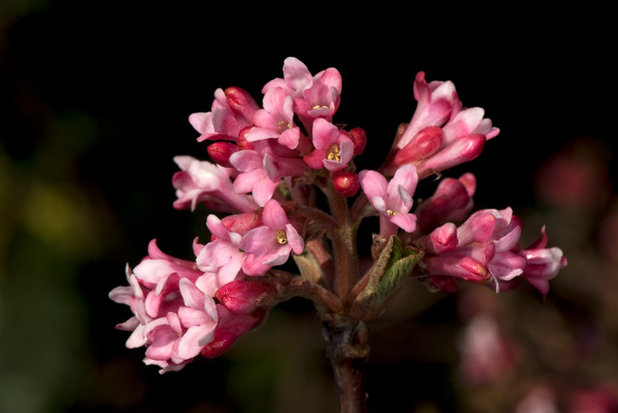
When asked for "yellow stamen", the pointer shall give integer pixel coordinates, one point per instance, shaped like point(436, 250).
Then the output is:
point(391, 213)
point(319, 107)
point(333, 153)
point(284, 125)
point(281, 237)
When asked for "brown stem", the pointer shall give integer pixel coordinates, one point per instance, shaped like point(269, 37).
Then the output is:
point(348, 350)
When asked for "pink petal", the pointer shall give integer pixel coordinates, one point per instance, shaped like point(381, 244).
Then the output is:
point(253, 265)
point(294, 239)
point(258, 240)
point(324, 133)
point(264, 189)
point(274, 215)
point(405, 221)
point(374, 184)
point(194, 340)
point(190, 317)
point(191, 295)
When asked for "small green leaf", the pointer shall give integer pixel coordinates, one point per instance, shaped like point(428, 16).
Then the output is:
point(394, 262)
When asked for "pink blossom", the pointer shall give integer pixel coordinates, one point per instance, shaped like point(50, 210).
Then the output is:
point(271, 243)
point(178, 337)
point(333, 148)
point(441, 134)
point(276, 120)
point(261, 171)
point(451, 201)
point(204, 182)
point(231, 111)
point(392, 199)
point(542, 264)
point(222, 255)
point(314, 96)
point(484, 248)
point(172, 317)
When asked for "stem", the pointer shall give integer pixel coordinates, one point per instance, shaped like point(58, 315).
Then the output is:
point(348, 350)
point(343, 241)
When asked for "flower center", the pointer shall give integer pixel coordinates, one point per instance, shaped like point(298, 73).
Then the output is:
point(391, 213)
point(281, 237)
point(319, 107)
point(284, 125)
point(333, 153)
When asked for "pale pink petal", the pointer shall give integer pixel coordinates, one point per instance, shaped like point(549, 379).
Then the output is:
point(192, 296)
point(258, 240)
point(324, 133)
point(294, 239)
point(190, 317)
point(194, 340)
point(374, 184)
point(246, 181)
point(405, 221)
point(264, 189)
point(274, 215)
point(253, 265)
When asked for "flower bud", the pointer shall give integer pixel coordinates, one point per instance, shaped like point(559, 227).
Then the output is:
point(346, 182)
point(242, 223)
point(359, 139)
point(241, 102)
point(462, 150)
point(244, 297)
point(424, 144)
point(221, 151)
point(242, 142)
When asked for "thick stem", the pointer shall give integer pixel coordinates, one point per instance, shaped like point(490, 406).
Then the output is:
point(348, 350)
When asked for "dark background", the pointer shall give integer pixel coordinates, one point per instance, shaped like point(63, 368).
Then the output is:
point(94, 100)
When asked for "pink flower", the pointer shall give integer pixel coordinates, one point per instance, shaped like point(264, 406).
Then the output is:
point(484, 248)
point(271, 243)
point(393, 199)
point(231, 112)
point(313, 96)
point(333, 148)
point(204, 182)
point(172, 317)
point(261, 171)
point(276, 121)
point(451, 201)
point(441, 134)
point(221, 255)
point(177, 338)
point(542, 264)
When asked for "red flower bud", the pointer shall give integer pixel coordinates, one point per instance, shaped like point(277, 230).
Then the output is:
point(346, 182)
point(245, 297)
point(221, 151)
point(424, 144)
point(359, 139)
point(242, 142)
point(241, 102)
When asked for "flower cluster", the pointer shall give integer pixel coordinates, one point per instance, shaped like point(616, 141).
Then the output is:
point(270, 165)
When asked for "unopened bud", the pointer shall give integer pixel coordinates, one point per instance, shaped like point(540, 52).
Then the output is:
point(346, 182)
point(244, 297)
point(221, 151)
point(242, 142)
point(242, 223)
point(241, 102)
point(359, 139)
point(424, 144)
point(462, 150)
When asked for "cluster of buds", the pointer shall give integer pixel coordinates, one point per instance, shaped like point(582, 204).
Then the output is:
point(270, 169)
